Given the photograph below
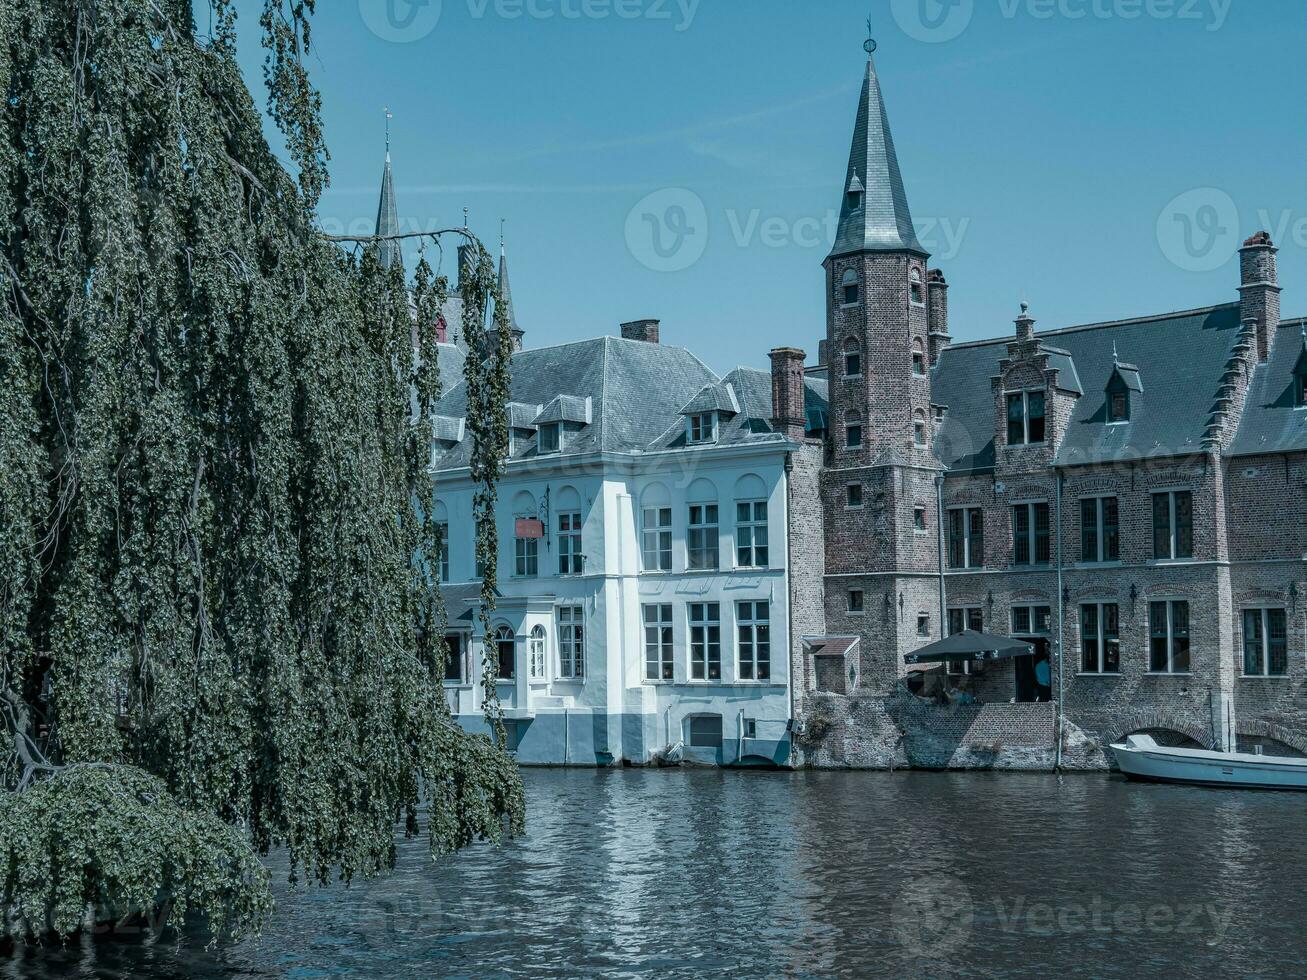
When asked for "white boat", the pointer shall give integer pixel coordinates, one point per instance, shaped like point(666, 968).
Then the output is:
point(1142, 758)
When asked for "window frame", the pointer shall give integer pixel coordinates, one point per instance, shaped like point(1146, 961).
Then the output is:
point(556, 443)
point(753, 640)
point(852, 490)
point(705, 619)
point(1033, 536)
point(1171, 636)
point(1102, 638)
point(569, 622)
point(537, 654)
point(967, 537)
point(659, 642)
point(1172, 527)
point(1031, 609)
point(1266, 641)
point(526, 557)
point(1027, 428)
point(965, 619)
point(504, 635)
point(852, 280)
point(856, 607)
point(751, 535)
point(656, 539)
point(454, 657)
point(702, 532)
point(919, 525)
point(571, 556)
point(701, 428)
point(1103, 555)
point(849, 429)
point(442, 553)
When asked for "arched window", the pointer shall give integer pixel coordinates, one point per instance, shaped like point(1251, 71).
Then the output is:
point(656, 529)
point(918, 358)
point(852, 358)
point(701, 540)
point(506, 651)
point(850, 294)
point(536, 651)
point(917, 290)
point(919, 429)
point(751, 547)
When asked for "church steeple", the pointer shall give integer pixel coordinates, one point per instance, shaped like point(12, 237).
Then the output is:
point(874, 215)
point(506, 296)
point(387, 214)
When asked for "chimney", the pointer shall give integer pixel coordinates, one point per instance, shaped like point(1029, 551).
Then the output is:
point(1025, 323)
point(937, 298)
point(789, 413)
point(1259, 290)
point(823, 353)
point(643, 330)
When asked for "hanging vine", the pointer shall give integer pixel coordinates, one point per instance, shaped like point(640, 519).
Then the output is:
point(218, 636)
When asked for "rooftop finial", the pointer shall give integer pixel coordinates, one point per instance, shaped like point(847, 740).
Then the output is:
point(501, 235)
point(465, 219)
point(1115, 356)
point(389, 116)
point(870, 45)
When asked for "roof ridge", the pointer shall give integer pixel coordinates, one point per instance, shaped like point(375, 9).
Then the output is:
point(1101, 325)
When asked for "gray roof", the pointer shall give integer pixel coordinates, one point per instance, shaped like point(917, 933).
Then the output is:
point(522, 415)
point(565, 408)
point(387, 218)
point(713, 397)
point(1184, 356)
point(1129, 375)
point(450, 359)
point(883, 223)
point(1271, 423)
point(1068, 378)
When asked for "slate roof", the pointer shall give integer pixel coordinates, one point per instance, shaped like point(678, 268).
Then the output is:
point(387, 218)
point(883, 221)
point(1271, 423)
point(566, 408)
point(713, 397)
point(1182, 357)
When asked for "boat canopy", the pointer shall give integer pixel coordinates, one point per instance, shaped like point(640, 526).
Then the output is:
point(970, 646)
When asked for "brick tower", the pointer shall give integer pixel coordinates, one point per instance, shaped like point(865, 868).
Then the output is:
point(879, 488)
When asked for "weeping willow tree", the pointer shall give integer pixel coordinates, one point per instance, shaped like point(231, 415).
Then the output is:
point(217, 622)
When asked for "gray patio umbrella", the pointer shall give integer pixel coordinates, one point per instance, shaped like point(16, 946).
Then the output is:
point(970, 645)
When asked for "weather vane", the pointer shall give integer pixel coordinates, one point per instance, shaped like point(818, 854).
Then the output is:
point(501, 235)
point(870, 45)
point(389, 116)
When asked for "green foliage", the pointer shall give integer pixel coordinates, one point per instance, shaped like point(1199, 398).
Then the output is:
point(213, 528)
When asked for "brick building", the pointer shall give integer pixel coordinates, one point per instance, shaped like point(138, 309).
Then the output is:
point(1129, 496)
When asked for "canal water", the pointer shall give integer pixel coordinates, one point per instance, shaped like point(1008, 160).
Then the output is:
point(643, 873)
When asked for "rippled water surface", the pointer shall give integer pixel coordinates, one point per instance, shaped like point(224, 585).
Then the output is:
point(706, 873)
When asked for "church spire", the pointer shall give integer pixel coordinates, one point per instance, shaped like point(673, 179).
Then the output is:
point(506, 296)
point(874, 215)
point(387, 213)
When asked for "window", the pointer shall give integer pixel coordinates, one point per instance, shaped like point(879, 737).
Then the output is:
point(571, 641)
point(702, 539)
point(919, 433)
point(1031, 620)
point(705, 641)
point(1265, 643)
point(1300, 387)
point(1168, 630)
point(1100, 530)
point(1025, 418)
point(570, 559)
point(442, 532)
point(551, 439)
point(918, 359)
point(919, 519)
point(1030, 535)
point(454, 657)
point(855, 601)
point(852, 359)
point(506, 651)
point(536, 654)
point(658, 664)
point(527, 557)
point(970, 618)
point(750, 727)
point(751, 534)
point(966, 537)
point(1173, 525)
point(1118, 406)
point(916, 290)
point(849, 292)
point(853, 435)
point(1100, 638)
point(706, 732)
point(753, 623)
point(923, 624)
point(656, 541)
point(703, 427)
point(853, 496)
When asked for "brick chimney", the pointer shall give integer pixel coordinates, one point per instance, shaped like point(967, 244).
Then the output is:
point(644, 330)
point(937, 300)
point(789, 413)
point(823, 353)
point(1259, 290)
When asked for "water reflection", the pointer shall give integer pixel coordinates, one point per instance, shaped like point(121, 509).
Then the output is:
point(708, 873)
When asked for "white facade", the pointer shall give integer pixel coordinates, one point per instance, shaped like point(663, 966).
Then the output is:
point(729, 662)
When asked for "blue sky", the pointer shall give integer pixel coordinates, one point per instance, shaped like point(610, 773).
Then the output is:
point(1100, 158)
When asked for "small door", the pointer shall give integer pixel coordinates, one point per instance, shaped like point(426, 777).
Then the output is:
point(1034, 680)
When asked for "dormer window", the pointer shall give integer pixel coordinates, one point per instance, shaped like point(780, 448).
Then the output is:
point(853, 196)
point(850, 291)
point(1124, 381)
point(1118, 406)
point(917, 291)
point(1025, 418)
point(703, 428)
point(551, 438)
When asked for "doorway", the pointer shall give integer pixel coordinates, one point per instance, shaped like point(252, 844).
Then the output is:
point(1034, 680)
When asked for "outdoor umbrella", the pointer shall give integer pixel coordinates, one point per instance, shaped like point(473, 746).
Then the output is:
point(970, 645)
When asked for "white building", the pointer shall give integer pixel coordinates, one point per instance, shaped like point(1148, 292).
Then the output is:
point(642, 567)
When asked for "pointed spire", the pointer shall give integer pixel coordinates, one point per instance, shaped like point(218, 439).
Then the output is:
point(387, 213)
point(874, 215)
point(506, 295)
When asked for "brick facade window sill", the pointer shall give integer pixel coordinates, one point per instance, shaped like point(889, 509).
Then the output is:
point(1107, 673)
point(1265, 677)
point(1162, 673)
